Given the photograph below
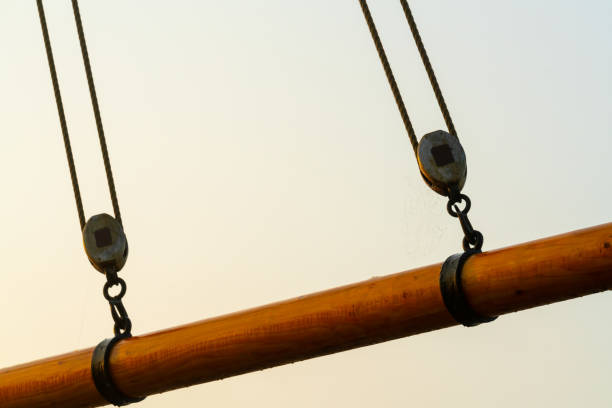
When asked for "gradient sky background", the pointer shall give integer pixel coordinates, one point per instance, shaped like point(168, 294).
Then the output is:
point(258, 155)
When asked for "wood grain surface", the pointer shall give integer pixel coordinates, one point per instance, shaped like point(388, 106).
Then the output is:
point(373, 311)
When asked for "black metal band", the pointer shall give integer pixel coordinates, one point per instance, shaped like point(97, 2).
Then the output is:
point(100, 371)
point(452, 291)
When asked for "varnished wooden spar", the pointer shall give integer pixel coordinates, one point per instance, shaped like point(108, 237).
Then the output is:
point(373, 311)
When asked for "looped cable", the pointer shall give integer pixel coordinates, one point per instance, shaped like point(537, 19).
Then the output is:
point(62, 116)
point(391, 78)
point(473, 239)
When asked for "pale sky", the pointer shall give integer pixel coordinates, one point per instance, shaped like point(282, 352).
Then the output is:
point(258, 155)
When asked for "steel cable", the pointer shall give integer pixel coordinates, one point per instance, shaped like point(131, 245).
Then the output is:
point(60, 111)
point(96, 109)
point(62, 116)
point(430, 72)
point(392, 83)
point(391, 78)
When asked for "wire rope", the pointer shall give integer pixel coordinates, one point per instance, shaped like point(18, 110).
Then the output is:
point(392, 83)
point(391, 78)
point(96, 109)
point(60, 111)
point(430, 72)
point(62, 115)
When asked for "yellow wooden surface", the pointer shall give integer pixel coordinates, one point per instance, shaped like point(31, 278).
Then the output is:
point(373, 311)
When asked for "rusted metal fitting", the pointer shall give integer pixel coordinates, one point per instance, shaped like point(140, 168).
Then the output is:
point(442, 162)
point(452, 291)
point(105, 243)
point(101, 374)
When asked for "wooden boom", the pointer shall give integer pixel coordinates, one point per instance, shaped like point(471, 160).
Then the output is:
point(380, 309)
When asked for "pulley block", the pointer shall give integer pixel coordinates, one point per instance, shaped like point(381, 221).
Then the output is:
point(105, 243)
point(442, 162)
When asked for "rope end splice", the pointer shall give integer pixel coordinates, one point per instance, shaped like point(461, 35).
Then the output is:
point(100, 371)
point(452, 291)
